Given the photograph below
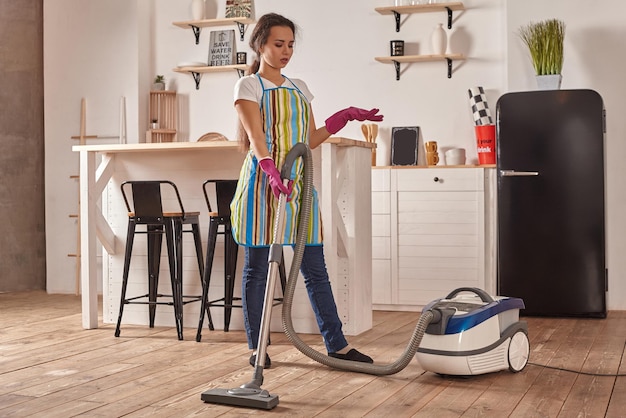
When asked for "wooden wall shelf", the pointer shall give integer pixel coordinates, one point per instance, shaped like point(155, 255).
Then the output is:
point(421, 8)
point(397, 60)
point(197, 25)
point(197, 72)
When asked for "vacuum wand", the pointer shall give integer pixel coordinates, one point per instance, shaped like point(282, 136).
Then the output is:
point(251, 394)
point(274, 260)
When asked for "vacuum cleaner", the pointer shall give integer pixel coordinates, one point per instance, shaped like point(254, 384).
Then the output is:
point(476, 334)
point(455, 330)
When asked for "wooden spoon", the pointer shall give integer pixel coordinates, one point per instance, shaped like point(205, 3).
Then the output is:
point(373, 132)
point(366, 132)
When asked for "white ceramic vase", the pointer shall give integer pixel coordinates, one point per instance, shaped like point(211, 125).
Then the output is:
point(197, 9)
point(438, 40)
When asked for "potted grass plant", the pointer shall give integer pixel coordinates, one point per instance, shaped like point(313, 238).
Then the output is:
point(544, 40)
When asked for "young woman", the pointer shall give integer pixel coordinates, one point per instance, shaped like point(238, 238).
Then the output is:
point(275, 113)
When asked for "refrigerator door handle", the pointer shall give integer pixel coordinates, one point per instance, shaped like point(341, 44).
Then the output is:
point(513, 173)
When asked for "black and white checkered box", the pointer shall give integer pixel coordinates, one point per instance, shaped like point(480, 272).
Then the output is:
point(480, 107)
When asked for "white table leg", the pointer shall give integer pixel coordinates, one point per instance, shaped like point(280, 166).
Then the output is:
point(88, 272)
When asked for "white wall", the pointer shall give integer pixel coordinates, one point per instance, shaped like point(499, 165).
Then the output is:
point(335, 53)
point(115, 47)
point(90, 51)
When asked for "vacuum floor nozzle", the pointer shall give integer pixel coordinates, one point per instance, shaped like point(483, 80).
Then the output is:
point(250, 398)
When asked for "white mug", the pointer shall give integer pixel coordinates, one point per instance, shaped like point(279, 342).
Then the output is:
point(455, 156)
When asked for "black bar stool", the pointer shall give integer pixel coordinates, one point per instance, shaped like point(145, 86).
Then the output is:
point(148, 210)
point(224, 193)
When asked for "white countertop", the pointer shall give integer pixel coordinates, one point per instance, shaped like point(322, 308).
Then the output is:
point(186, 146)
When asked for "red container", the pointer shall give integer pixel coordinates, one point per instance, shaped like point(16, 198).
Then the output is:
point(486, 143)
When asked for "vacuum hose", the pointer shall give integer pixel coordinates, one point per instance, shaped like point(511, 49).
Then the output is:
point(302, 150)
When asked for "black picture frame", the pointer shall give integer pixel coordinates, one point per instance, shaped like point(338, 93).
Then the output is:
point(404, 141)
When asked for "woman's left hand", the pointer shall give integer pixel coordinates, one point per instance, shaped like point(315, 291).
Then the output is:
point(337, 121)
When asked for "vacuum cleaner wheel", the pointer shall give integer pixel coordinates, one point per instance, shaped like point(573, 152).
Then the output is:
point(519, 350)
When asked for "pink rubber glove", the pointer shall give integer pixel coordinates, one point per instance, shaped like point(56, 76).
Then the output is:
point(337, 121)
point(269, 168)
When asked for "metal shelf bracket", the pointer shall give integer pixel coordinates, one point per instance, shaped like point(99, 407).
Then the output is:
point(449, 67)
point(449, 17)
point(196, 33)
point(397, 65)
point(240, 72)
point(397, 16)
point(197, 77)
point(242, 30)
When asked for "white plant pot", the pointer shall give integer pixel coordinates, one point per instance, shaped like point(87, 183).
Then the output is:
point(549, 82)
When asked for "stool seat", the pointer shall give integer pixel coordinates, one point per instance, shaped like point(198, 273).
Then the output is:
point(171, 214)
point(147, 209)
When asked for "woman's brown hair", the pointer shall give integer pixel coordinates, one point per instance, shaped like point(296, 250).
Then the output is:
point(257, 40)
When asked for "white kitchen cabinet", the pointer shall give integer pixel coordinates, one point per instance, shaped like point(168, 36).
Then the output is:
point(431, 233)
point(381, 237)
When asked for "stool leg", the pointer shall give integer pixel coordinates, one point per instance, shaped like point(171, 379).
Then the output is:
point(206, 278)
point(130, 236)
point(281, 271)
point(173, 234)
point(155, 240)
point(230, 269)
point(198, 244)
point(178, 240)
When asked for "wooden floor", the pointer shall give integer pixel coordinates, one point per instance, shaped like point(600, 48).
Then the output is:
point(51, 367)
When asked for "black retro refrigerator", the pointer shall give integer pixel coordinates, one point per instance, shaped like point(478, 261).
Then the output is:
point(551, 217)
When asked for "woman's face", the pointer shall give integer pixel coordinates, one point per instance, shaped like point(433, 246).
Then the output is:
point(278, 49)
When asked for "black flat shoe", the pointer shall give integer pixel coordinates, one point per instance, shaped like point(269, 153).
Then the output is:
point(352, 355)
point(268, 362)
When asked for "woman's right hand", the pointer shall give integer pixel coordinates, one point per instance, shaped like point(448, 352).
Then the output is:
point(276, 183)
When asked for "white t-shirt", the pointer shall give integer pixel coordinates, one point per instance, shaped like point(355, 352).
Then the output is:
point(249, 88)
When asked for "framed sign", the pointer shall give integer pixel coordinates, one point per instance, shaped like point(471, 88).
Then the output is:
point(238, 8)
point(404, 145)
point(222, 47)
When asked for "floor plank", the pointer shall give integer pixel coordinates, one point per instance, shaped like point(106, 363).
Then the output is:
point(51, 367)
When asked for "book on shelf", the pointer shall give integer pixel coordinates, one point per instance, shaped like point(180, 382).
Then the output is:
point(239, 8)
point(222, 47)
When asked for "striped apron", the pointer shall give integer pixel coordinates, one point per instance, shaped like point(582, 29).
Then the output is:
point(285, 113)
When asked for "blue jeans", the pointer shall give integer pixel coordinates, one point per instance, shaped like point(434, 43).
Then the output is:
point(317, 284)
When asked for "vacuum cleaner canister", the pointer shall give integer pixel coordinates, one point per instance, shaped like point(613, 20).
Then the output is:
point(476, 334)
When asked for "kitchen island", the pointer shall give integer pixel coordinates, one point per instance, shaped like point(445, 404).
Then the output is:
point(342, 177)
